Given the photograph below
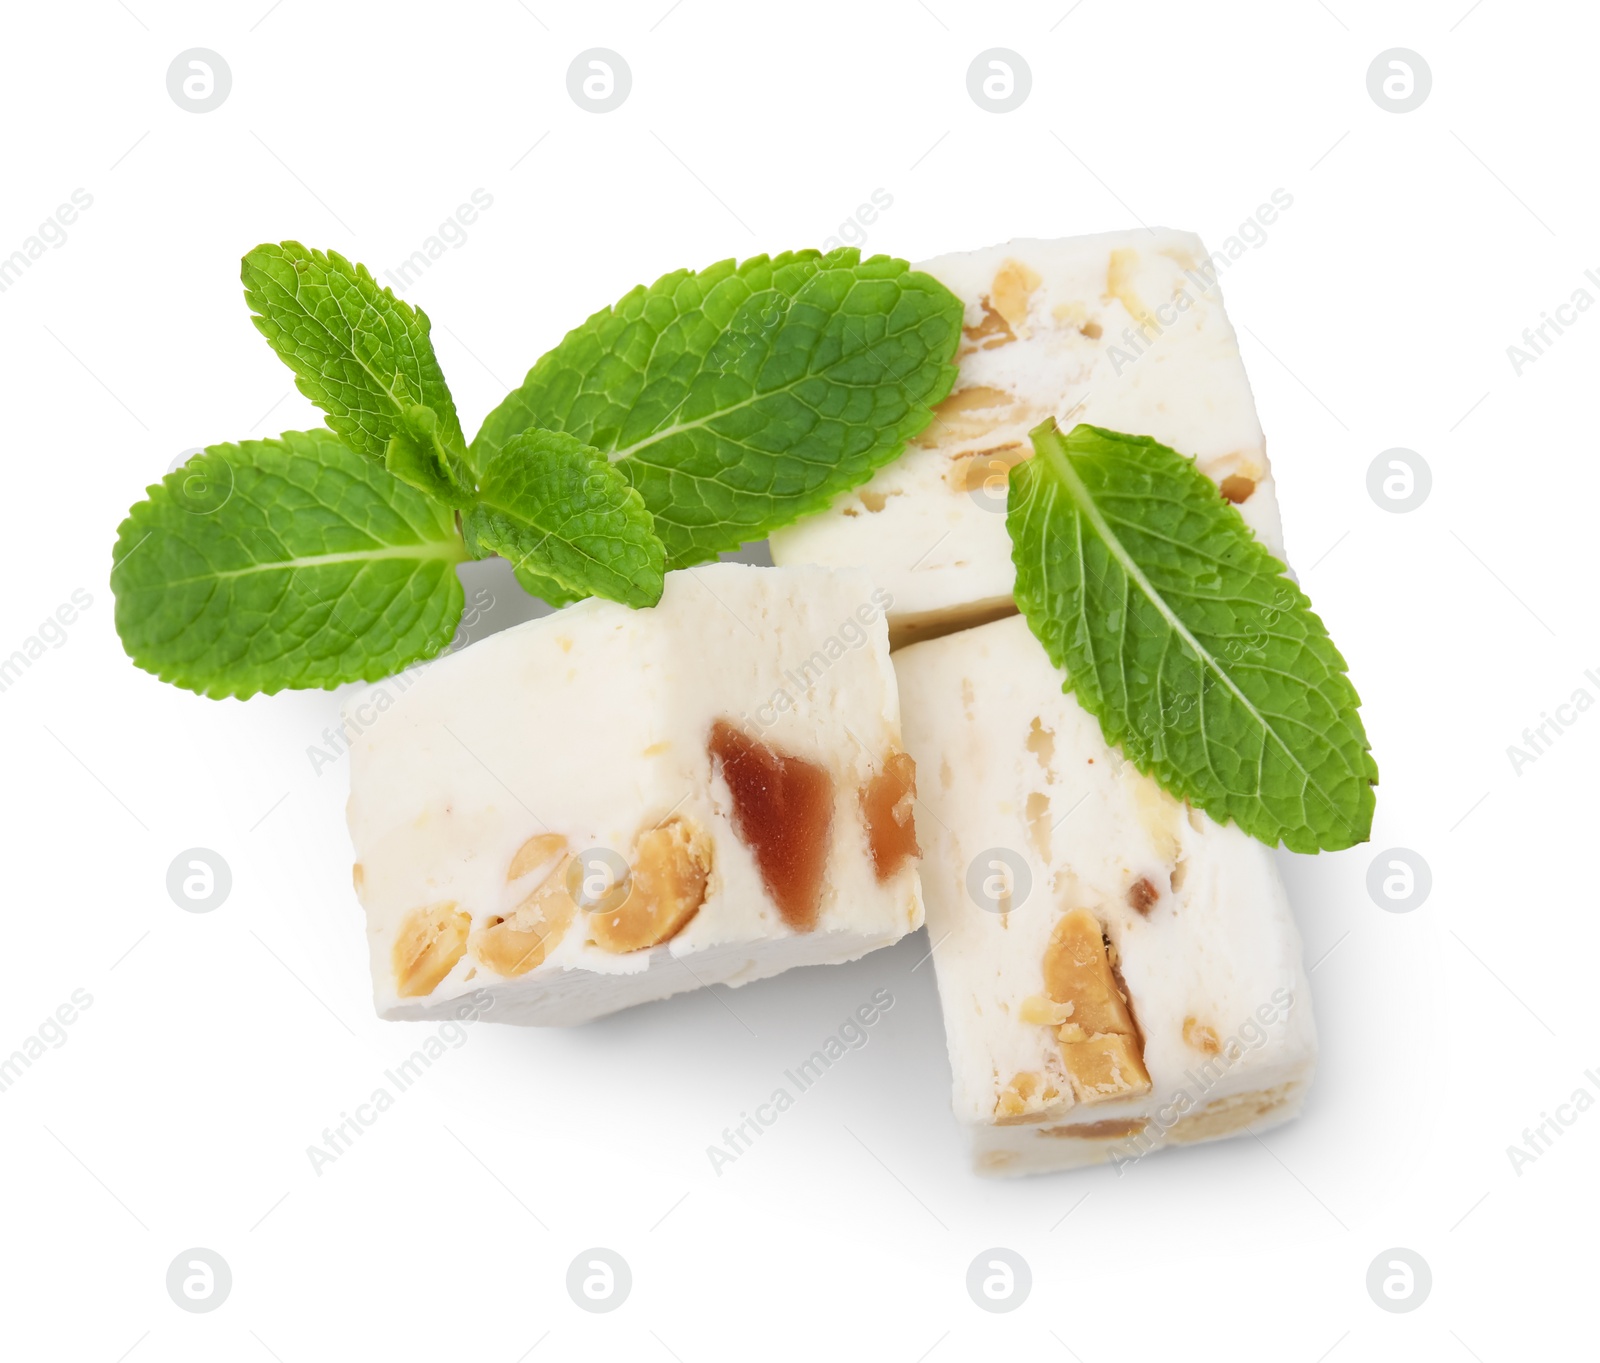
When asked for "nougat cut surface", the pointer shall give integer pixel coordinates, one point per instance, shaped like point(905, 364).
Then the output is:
point(1124, 330)
point(1117, 971)
point(607, 806)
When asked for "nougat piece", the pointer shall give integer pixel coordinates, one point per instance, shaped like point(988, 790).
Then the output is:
point(1124, 330)
point(607, 806)
point(1118, 972)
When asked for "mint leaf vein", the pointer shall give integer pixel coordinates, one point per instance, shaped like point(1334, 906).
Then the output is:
point(1186, 639)
point(565, 517)
point(745, 396)
point(365, 357)
point(289, 562)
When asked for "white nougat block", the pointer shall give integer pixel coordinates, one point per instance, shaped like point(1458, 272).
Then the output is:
point(1123, 330)
point(1117, 971)
point(540, 816)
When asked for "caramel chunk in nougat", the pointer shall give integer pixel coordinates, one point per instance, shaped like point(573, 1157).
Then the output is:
point(886, 801)
point(782, 811)
point(1100, 1046)
point(1237, 488)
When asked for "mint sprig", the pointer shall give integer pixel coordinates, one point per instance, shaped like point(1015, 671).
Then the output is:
point(288, 562)
point(567, 520)
point(1186, 639)
point(366, 358)
point(742, 397)
point(726, 403)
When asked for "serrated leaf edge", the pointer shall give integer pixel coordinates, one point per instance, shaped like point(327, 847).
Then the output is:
point(1050, 446)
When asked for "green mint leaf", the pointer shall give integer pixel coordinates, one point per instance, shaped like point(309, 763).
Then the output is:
point(365, 358)
point(414, 462)
point(293, 562)
point(546, 589)
point(1186, 639)
point(568, 521)
point(745, 396)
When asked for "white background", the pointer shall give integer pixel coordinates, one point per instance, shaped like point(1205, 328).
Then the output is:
point(218, 1046)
